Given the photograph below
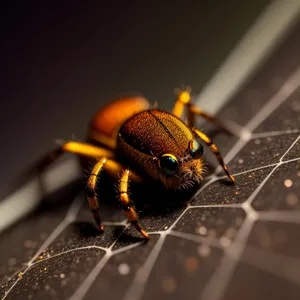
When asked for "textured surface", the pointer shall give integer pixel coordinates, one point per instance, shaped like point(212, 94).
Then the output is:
point(229, 242)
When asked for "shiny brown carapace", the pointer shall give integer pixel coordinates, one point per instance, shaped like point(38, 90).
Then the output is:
point(155, 144)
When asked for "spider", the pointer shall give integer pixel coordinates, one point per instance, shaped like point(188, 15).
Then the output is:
point(130, 140)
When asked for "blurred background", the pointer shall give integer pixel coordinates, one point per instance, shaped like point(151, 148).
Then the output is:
point(61, 61)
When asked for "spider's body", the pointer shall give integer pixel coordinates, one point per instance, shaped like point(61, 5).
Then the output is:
point(150, 134)
point(152, 143)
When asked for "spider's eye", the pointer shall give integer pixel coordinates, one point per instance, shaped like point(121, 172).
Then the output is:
point(168, 164)
point(196, 149)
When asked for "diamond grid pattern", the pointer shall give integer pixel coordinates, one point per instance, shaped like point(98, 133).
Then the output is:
point(205, 249)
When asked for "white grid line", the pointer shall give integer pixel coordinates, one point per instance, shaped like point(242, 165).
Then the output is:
point(219, 282)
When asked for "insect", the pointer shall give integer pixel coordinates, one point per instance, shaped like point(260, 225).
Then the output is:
point(130, 140)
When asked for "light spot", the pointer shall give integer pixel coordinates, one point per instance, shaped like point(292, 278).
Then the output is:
point(169, 285)
point(236, 192)
point(63, 282)
point(252, 152)
point(291, 199)
point(231, 232)
point(12, 261)
point(124, 269)
point(298, 173)
point(204, 250)
point(240, 161)
point(28, 244)
point(288, 183)
point(202, 230)
point(166, 227)
point(225, 241)
point(212, 233)
point(257, 141)
point(250, 176)
point(62, 275)
point(191, 264)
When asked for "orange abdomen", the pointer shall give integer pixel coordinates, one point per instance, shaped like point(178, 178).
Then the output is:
point(108, 120)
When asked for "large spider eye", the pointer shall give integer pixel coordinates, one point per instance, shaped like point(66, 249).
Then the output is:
point(196, 149)
point(168, 164)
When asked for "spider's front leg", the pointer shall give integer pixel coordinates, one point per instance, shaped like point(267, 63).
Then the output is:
point(126, 203)
point(113, 168)
point(91, 191)
point(184, 100)
point(215, 150)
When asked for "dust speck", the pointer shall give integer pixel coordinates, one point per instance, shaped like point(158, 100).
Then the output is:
point(212, 233)
point(12, 261)
point(257, 141)
point(202, 230)
point(169, 285)
point(288, 183)
point(291, 199)
point(191, 264)
point(225, 241)
point(124, 269)
point(204, 250)
point(29, 244)
point(63, 282)
point(231, 232)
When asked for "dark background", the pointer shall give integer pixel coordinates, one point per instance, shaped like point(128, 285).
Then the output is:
point(61, 60)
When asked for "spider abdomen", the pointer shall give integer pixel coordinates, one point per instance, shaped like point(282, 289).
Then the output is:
point(107, 121)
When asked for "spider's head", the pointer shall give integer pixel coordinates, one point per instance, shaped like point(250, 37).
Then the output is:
point(182, 172)
point(164, 147)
